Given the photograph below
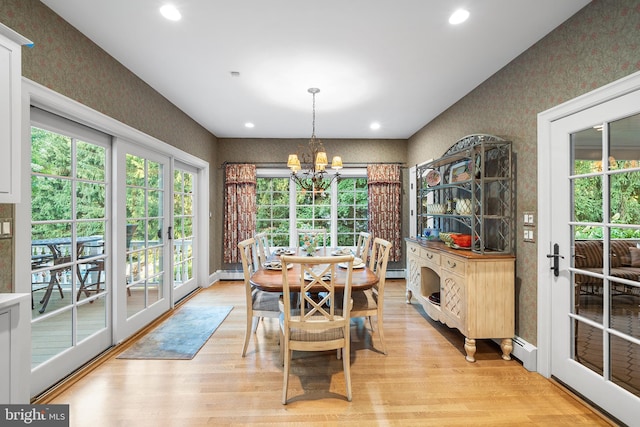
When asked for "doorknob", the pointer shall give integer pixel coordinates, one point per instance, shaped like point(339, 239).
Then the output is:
point(556, 262)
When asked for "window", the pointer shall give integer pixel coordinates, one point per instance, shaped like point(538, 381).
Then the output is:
point(342, 211)
point(273, 209)
point(353, 205)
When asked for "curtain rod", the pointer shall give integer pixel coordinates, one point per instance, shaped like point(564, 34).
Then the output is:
point(283, 165)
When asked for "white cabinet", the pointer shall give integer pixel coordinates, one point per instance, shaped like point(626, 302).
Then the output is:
point(15, 348)
point(10, 113)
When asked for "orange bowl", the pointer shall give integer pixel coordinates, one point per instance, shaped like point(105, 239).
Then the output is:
point(462, 240)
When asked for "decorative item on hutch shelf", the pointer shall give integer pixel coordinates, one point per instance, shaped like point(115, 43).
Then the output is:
point(315, 161)
point(463, 206)
point(460, 171)
point(433, 178)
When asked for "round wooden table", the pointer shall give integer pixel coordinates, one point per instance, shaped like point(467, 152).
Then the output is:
point(271, 280)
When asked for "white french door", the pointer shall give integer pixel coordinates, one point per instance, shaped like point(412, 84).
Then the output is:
point(142, 278)
point(70, 243)
point(184, 233)
point(594, 167)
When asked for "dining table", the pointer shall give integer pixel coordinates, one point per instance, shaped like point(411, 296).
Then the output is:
point(270, 279)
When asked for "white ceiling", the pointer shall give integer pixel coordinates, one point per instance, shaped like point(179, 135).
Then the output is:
point(398, 62)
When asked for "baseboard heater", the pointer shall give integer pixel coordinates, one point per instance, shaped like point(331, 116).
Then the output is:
point(525, 352)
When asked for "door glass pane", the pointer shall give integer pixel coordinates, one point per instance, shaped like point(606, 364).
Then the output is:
point(588, 346)
point(625, 359)
point(51, 337)
point(91, 317)
point(52, 197)
point(91, 161)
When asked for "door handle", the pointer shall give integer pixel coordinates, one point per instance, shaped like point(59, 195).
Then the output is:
point(556, 262)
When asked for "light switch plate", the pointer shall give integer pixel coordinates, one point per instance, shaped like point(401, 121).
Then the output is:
point(528, 235)
point(529, 219)
point(6, 228)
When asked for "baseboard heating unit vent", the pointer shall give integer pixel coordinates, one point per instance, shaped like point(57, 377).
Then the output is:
point(525, 352)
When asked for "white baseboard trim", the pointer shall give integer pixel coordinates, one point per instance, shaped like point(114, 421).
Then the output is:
point(397, 274)
point(525, 352)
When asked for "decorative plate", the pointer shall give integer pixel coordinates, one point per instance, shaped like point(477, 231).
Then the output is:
point(284, 251)
point(344, 251)
point(355, 266)
point(275, 265)
point(433, 178)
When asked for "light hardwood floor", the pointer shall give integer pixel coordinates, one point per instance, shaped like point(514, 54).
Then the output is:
point(423, 381)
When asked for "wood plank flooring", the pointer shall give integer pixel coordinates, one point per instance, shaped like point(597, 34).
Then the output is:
point(423, 381)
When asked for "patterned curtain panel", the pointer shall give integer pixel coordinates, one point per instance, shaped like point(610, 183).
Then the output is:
point(385, 198)
point(240, 208)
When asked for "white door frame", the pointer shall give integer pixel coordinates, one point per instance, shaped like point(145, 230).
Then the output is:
point(545, 119)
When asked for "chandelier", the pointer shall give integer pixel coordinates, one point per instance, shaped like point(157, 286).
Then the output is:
point(313, 178)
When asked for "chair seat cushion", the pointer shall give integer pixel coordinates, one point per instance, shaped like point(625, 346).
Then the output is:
point(298, 334)
point(265, 301)
point(364, 300)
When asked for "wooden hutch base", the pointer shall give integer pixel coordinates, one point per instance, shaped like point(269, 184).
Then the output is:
point(471, 292)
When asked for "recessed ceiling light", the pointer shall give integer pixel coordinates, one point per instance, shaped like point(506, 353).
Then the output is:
point(458, 17)
point(249, 125)
point(374, 126)
point(170, 12)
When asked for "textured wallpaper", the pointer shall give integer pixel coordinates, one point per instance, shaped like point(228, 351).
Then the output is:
point(6, 254)
point(598, 45)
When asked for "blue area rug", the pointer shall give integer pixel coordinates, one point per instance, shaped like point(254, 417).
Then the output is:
point(180, 336)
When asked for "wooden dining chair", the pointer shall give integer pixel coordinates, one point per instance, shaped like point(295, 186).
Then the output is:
point(259, 303)
point(315, 321)
point(264, 250)
point(321, 232)
point(370, 302)
point(363, 246)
